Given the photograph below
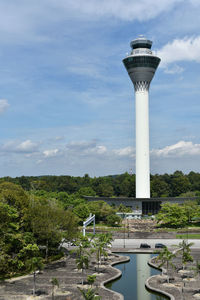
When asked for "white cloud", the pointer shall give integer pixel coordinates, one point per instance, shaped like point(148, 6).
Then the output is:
point(50, 153)
point(186, 49)
point(59, 138)
point(24, 147)
point(86, 148)
point(25, 19)
point(3, 105)
point(122, 9)
point(174, 69)
point(127, 151)
point(179, 149)
point(100, 149)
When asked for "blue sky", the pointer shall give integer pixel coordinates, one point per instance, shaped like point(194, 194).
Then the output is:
point(66, 101)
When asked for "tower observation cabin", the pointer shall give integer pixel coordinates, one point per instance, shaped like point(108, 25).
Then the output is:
point(141, 64)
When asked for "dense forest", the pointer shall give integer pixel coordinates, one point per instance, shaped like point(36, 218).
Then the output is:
point(166, 185)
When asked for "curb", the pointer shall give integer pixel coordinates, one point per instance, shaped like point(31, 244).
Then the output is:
point(147, 284)
point(156, 289)
point(118, 275)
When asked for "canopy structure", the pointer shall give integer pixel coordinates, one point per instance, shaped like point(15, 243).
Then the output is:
point(89, 220)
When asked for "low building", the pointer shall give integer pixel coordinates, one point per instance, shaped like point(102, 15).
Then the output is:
point(141, 206)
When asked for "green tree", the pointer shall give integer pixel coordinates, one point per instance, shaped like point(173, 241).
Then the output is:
point(82, 263)
point(123, 208)
point(86, 191)
point(14, 196)
point(5, 261)
point(69, 226)
point(100, 209)
point(106, 239)
point(165, 258)
point(185, 249)
point(46, 223)
point(192, 210)
point(179, 184)
point(124, 185)
point(82, 211)
point(89, 294)
point(113, 220)
point(34, 264)
point(194, 179)
point(9, 218)
point(25, 256)
point(99, 250)
point(83, 244)
point(197, 268)
point(54, 282)
point(104, 190)
point(159, 188)
point(100, 245)
point(91, 279)
point(24, 182)
point(172, 215)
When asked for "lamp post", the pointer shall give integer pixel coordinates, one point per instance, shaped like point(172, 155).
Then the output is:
point(124, 215)
point(128, 227)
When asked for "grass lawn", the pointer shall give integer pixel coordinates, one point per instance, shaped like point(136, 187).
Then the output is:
point(189, 236)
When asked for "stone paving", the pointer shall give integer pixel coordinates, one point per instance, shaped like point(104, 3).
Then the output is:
point(181, 284)
point(69, 279)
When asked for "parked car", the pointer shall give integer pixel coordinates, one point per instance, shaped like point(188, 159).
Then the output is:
point(145, 245)
point(159, 245)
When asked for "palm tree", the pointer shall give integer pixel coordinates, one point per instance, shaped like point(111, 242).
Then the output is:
point(185, 249)
point(98, 248)
point(91, 279)
point(89, 294)
point(197, 268)
point(82, 263)
point(165, 257)
point(106, 240)
point(54, 282)
point(34, 264)
point(82, 244)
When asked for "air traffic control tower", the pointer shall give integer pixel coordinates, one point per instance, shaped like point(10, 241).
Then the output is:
point(141, 65)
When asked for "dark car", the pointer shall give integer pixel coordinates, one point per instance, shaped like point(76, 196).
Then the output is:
point(144, 245)
point(159, 245)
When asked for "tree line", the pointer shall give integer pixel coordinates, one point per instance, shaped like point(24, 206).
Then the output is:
point(35, 223)
point(166, 185)
point(31, 230)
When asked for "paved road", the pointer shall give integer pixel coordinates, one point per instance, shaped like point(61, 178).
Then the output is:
point(135, 243)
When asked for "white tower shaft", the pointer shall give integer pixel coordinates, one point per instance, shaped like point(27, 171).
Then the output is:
point(142, 144)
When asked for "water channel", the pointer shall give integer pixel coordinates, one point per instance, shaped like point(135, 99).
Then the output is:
point(134, 274)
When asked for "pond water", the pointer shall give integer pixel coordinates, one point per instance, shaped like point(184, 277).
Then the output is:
point(134, 274)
